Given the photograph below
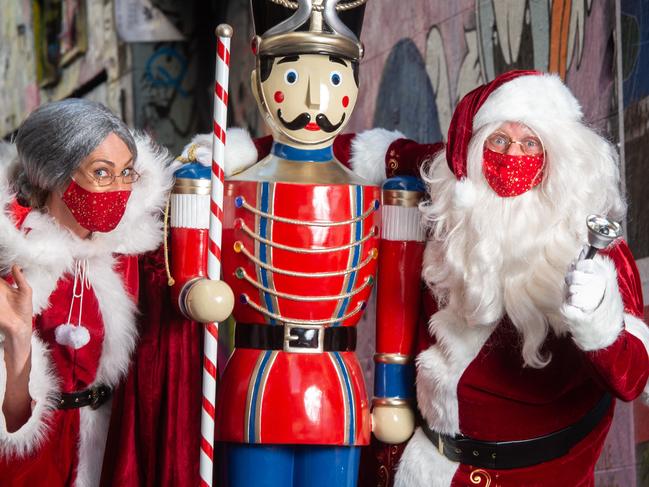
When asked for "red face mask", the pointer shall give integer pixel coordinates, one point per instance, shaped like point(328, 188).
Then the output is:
point(96, 212)
point(512, 175)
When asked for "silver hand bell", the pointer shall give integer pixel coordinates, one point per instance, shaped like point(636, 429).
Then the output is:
point(601, 232)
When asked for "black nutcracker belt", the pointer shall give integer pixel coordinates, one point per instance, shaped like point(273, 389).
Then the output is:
point(93, 397)
point(295, 338)
point(521, 453)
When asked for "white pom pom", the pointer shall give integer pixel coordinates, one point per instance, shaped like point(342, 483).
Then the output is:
point(464, 194)
point(72, 335)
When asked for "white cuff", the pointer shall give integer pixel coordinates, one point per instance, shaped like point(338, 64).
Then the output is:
point(43, 389)
point(601, 327)
point(368, 153)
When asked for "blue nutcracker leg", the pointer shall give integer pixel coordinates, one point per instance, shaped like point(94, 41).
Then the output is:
point(246, 465)
point(326, 466)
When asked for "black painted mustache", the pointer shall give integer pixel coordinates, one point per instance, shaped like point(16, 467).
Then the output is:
point(297, 123)
point(303, 120)
point(324, 123)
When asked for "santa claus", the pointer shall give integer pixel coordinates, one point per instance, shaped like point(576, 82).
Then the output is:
point(531, 343)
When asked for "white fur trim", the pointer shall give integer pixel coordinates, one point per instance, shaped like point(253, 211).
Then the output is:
point(368, 153)
point(464, 194)
point(601, 327)
point(240, 150)
point(43, 388)
point(118, 313)
point(422, 465)
point(93, 432)
point(552, 102)
point(440, 367)
point(639, 329)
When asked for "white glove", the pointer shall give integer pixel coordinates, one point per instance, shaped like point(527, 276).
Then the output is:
point(240, 151)
point(593, 309)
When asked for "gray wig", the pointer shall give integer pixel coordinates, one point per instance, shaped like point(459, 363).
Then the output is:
point(53, 141)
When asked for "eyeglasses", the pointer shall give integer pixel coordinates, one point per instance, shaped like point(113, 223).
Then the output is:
point(104, 177)
point(499, 142)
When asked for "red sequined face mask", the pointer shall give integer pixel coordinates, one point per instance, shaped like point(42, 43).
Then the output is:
point(95, 211)
point(512, 175)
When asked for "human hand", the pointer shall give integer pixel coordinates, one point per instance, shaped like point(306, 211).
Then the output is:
point(593, 310)
point(586, 284)
point(16, 311)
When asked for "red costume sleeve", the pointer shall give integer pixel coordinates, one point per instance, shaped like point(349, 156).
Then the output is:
point(623, 367)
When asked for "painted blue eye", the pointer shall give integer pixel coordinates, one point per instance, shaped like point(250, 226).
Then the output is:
point(291, 77)
point(335, 78)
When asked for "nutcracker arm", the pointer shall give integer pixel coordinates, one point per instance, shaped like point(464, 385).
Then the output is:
point(197, 297)
point(398, 303)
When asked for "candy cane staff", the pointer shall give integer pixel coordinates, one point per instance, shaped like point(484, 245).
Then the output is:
point(81, 202)
point(532, 345)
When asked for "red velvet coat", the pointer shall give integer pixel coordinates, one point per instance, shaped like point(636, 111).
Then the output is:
point(496, 398)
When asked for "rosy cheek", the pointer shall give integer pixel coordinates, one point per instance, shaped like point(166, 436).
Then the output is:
point(345, 101)
point(279, 96)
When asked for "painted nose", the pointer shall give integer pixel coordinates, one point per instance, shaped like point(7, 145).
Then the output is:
point(313, 93)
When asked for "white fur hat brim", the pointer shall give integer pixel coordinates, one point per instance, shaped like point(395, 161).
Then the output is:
point(531, 100)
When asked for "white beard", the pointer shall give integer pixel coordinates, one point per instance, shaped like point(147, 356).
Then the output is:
point(509, 256)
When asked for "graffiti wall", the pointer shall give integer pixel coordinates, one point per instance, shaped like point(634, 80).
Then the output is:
point(50, 50)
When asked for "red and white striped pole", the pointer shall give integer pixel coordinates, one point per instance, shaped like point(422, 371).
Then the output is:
point(223, 34)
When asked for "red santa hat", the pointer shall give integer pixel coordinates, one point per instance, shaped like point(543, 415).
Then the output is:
point(536, 99)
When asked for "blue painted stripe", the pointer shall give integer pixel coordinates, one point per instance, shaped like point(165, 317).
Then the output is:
point(255, 397)
point(358, 230)
point(263, 231)
point(350, 395)
point(404, 183)
point(394, 380)
point(302, 155)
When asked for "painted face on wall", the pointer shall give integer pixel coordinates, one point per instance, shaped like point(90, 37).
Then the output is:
point(308, 98)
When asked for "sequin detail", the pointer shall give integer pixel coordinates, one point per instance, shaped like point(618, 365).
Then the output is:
point(512, 175)
point(96, 211)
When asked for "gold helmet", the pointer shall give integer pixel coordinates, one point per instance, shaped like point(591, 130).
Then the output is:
point(285, 27)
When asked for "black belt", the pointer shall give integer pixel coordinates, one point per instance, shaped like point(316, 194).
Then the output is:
point(520, 453)
point(294, 338)
point(93, 397)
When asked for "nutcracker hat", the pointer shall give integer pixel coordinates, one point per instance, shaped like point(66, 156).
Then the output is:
point(286, 27)
point(539, 100)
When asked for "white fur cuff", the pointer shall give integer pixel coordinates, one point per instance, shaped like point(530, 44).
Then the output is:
point(368, 153)
point(601, 327)
point(43, 388)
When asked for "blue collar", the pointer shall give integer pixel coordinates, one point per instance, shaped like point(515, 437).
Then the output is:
point(304, 155)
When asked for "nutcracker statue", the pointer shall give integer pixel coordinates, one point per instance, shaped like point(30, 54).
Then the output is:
point(304, 239)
